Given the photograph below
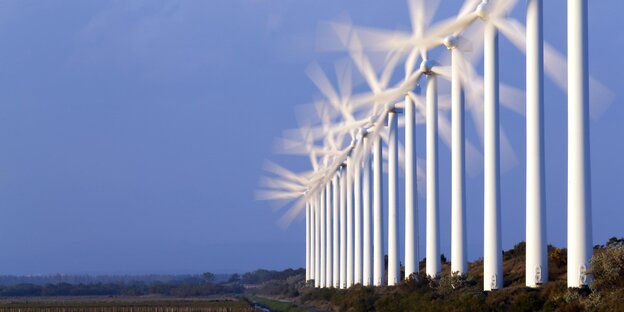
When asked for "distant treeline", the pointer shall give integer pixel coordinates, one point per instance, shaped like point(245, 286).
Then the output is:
point(261, 276)
point(175, 289)
point(10, 280)
point(167, 285)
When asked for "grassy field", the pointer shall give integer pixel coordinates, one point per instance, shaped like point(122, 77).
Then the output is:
point(125, 304)
point(275, 305)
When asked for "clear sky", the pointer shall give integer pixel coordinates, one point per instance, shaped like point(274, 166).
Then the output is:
point(133, 133)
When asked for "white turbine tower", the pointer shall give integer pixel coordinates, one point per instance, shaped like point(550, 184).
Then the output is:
point(536, 246)
point(378, 245)
point(312, 240)
point(367, 201)
point(357, 218)
point(434, 267)
point(336, 230)
point(459, 257)
point(322, 228)
point(411, 191)
point(343, 226)
point(417, 19)
point(307, 231)
point(350, 232)
point(328, 235)
point(394, 274)
point(317, 241)
point(579, 174)
point(492, 245)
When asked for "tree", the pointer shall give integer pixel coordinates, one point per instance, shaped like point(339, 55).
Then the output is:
point(235, 278)
point(208, 277)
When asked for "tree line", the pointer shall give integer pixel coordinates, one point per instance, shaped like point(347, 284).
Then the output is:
point(205, 284)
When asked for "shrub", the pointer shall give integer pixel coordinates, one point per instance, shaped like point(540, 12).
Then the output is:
point(607, 267)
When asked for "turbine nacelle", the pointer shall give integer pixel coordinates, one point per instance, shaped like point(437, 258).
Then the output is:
point(451, 42)
point(361, 133)
point(427, 66)
point(366, 132)
point(371, 122)
point(483, 10)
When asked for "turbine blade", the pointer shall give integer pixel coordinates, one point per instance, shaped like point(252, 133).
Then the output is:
point(318, 77)
point(474, 160)
point(450, 26)
point(383, 40)
point(410, 63)
point(417, 16)
point(421, 177)
point(444, 102)
point(513, 99)
point(418, 102)
point(411, 82)
point(281, 185)
point(296, 209)
point(508, 157)
point(278, 170)
point(333, 36)
point(272, 195)
point(600, 98)
point(556, 66)
point(365, 68)
point(502, 7)
point(345, 81)
point(512, 30)
point(432, 8)
point(467, 7)
point(390, 66)
point(444, 129)
point(443, 71)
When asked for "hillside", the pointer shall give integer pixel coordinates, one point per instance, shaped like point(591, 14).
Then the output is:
point(454, 293)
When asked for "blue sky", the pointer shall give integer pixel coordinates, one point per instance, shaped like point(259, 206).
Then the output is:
point(133, 133)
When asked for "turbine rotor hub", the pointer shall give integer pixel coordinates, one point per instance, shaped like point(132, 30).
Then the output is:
point(364, 132)
point(426, 66)
point(451, 42)
point(361, 133)
point(483, 10)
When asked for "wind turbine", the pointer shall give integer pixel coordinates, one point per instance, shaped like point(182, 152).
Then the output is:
point(322, 230)
point(492, 241)
point(287, 187)
point(306, 147)
point(536, 245)
point(328, 234)
point(416, 44)
point(492, 14)
point(354, 166)
point(336, 230)
point(377, 86)
point(542, 57)
point(579, 174)
point(352, 179)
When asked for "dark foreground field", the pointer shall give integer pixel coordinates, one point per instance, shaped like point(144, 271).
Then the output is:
point(125, 304)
